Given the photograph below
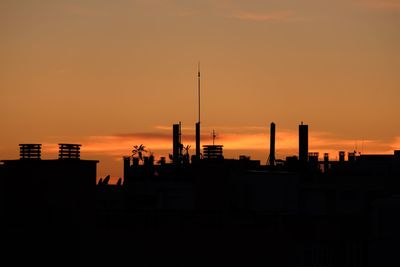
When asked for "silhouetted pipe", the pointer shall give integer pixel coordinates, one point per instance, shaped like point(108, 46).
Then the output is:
point(197, 140)
point(272, 145)
point(175, 142)
point(303, 142)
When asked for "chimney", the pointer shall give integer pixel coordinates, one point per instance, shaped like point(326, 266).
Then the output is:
point(198, 121)
point(303, 142)
point(176, 142)
point(197, 140)
point(30, 151)
point(272, 145)
point(69, 151)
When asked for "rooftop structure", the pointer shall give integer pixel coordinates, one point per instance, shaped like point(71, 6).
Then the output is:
point(213, 151)
point(69, 151)
point(303, 142)
point(271, 159)
point(30, 151)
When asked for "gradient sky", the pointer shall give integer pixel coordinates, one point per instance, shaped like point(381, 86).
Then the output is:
point(113, 74)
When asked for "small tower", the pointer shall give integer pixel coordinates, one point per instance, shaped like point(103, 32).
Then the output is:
point(176, 143)
point(271, 159)
point(303, 142)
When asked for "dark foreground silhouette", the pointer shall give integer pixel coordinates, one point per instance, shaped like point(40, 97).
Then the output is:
point(201, 212)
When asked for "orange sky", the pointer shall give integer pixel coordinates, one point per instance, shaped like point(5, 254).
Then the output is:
point(107, 74)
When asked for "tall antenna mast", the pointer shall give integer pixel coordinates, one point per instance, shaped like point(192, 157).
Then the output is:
point(198, 79)
point(198, 122)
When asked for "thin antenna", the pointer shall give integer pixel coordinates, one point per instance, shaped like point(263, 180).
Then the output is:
point(198, 78)
point(198, 122)
point(214, 135)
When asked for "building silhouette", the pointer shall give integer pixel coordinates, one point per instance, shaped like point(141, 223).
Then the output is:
point(46, 204)
point(301, 211)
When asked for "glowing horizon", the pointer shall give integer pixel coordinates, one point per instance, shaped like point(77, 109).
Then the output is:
point(251, 141)
point(84, 71)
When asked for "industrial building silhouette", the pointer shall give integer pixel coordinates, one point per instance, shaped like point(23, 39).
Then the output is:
point(207, 210)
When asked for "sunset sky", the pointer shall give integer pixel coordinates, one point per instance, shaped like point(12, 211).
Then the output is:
point(113, 74)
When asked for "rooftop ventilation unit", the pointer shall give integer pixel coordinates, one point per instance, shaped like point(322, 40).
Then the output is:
point(30, 151)
point(69, 151)
point(213, 151)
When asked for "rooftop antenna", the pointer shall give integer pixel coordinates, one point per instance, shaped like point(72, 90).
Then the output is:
point(214, 135)
point(198, 89)
point(198, 122)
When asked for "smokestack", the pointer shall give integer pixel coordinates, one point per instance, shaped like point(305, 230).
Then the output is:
point(272, 145)
point(199, 113)
point(176, 142)
point(198, 140)
point(303, 142)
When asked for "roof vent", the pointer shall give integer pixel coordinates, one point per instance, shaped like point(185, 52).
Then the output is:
point(69, 151)
point(30, 151)
point(213, 151)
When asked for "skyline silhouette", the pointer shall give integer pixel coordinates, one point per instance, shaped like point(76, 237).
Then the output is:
point(333, 65)
point(110, 149)
point(320, 212)
point(117, 149)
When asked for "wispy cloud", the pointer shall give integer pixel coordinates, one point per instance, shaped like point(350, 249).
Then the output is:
point(277, 16)
point(256, 11)
point(253, 142)
point(220, 8)
point(286, 142)
point(395, 145)
point(383, 5)
point(85, 11)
